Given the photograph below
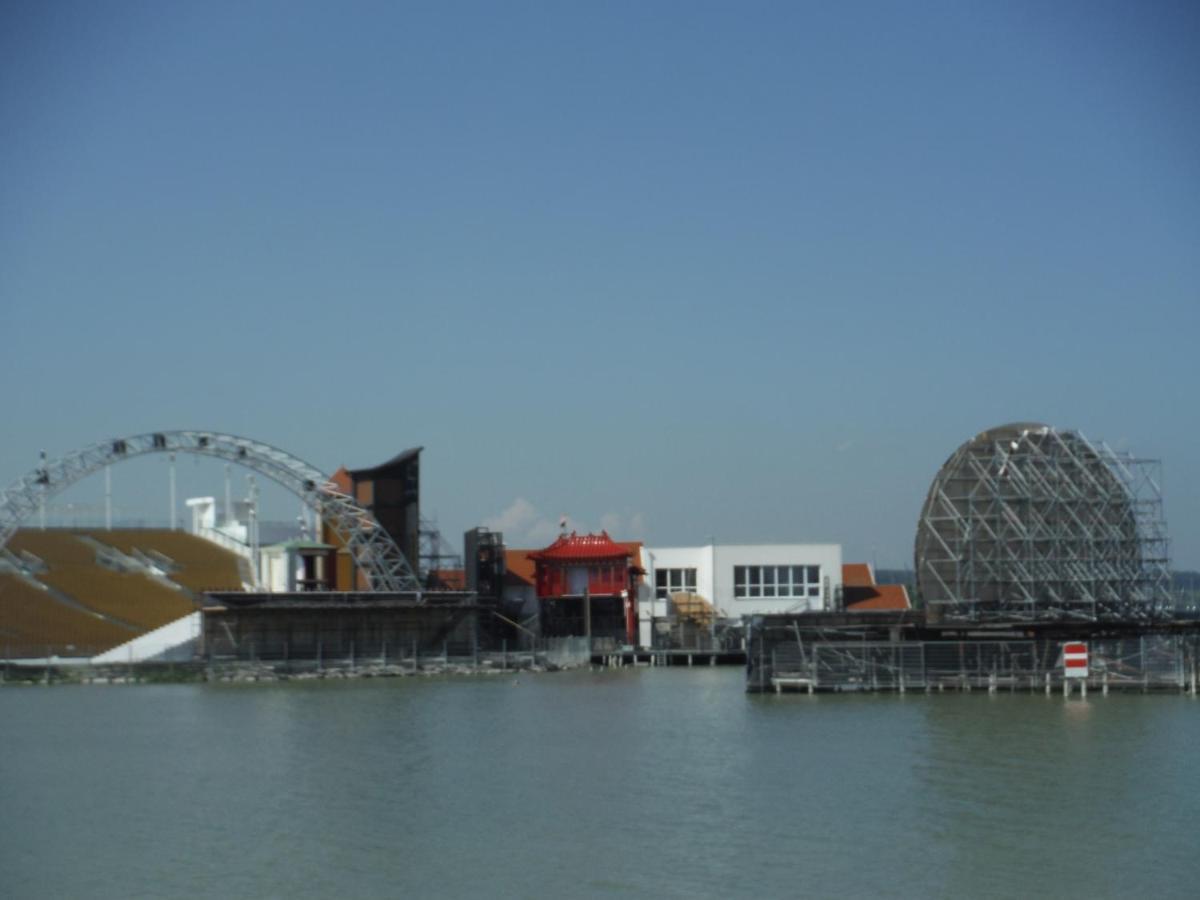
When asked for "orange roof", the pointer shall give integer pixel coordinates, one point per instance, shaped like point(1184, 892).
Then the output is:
point(342, 479)
point(857, 575)
point(635, 551)
point(879, 596)
point(519, 567)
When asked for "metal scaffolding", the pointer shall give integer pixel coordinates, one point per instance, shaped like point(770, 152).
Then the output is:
point(436, 552)
point(782, 658)
point(372, 547)
point(1026, 522)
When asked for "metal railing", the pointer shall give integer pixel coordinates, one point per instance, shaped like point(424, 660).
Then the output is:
point(1148, 662)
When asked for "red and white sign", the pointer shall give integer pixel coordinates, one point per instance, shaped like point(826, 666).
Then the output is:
point(1075, 660)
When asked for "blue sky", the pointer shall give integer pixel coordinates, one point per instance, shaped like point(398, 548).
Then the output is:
point(743, 270)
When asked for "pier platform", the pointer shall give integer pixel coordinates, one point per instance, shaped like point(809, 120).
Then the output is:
point(903, 652)
point(674, 657)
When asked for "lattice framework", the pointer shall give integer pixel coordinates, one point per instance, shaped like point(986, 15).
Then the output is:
point(1026, 521)
point(372, 548)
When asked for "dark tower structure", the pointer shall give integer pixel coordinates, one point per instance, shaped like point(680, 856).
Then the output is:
point(483, 552)
point(392, 492)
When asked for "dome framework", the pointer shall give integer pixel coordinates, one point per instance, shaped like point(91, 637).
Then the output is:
point(1026, 522)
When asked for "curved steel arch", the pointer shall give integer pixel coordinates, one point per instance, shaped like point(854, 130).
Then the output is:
point(372, 547)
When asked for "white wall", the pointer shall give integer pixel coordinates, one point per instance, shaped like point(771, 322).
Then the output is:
point(278, 569)
point(826, 556)
point(714, 577)
point(204, 513)
point(175, 640)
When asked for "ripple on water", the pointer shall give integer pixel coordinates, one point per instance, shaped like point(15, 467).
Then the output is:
point(643, 783)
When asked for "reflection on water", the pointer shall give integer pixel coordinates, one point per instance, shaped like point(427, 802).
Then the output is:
point(1080, 798)
point(640, 783)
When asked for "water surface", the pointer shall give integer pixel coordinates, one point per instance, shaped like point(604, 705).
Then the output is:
point(646, 783)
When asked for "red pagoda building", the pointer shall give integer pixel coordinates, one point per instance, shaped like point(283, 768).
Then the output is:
point(587, 586)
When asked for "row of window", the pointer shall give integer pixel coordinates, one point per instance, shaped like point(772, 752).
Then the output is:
point(748, 581)
point(777, 581)
point(673, 581)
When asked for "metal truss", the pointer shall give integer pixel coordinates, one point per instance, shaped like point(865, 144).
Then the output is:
point(436, 552)
point(372, 548)
point(1026, 522)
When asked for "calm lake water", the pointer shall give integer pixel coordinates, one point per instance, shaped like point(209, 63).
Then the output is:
point(646, 783)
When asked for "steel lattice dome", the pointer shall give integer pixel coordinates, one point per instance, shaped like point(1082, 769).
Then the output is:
point(1028, 520)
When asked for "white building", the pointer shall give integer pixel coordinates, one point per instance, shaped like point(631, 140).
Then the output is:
point(295, 565)
point(741, 579)
point(209, 521)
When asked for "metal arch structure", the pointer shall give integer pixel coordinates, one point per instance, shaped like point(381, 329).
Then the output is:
point(372, 548)
point(1025, 522)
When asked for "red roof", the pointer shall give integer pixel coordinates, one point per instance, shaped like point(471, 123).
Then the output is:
point(857, 575)
point(519, 568)
point(879, 596)
point(582, 548)
point(635, 552)
point(341, 478)
point(860, 592)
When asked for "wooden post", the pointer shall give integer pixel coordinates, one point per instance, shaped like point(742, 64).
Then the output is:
point(761, 643)
point(587, 616)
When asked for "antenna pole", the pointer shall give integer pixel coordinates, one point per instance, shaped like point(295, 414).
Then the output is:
point(45, 480)
point(172, 458)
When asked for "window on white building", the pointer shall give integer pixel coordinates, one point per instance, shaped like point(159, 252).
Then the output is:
point(673, 581)
point(777, 582)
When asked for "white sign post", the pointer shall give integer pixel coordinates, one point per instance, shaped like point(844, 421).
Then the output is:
point(1075, 665)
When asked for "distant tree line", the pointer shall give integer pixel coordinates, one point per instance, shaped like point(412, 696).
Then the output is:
point(1185, 583)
